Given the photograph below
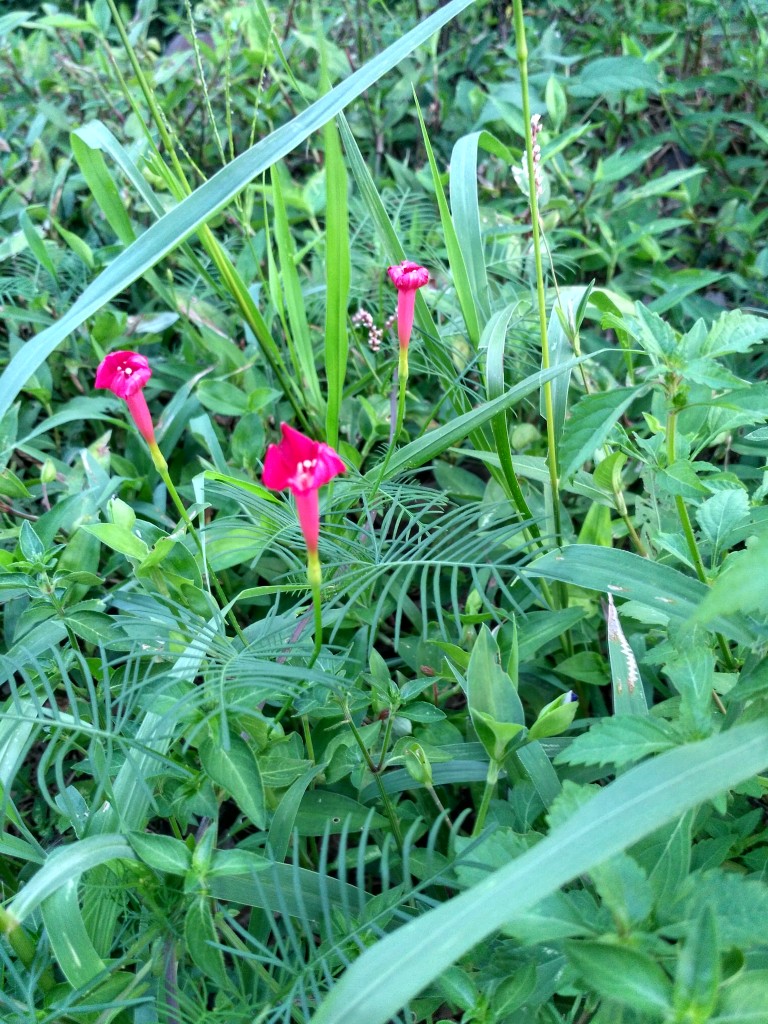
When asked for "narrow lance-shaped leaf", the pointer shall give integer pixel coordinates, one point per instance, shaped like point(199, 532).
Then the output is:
point(209, 199)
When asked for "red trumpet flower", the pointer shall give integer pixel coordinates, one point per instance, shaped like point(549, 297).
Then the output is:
point(125, 374)
point(303, 465)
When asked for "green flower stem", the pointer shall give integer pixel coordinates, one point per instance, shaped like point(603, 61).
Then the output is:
point(491, 779)
point(162, 468)
point(690, 538)
point(315, 577)
point(397, 426)
point(522, 60)
point(376, 773)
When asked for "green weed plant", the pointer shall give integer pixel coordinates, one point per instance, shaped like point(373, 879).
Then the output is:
point(499, 760)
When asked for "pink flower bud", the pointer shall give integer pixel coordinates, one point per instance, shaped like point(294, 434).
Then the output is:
point(407, 277)
point(125, 374)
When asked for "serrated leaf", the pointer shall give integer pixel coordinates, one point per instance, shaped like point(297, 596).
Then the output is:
point(592, 419)
point(711, 374)
point(740, 905)
point(720, 514)
point(740, 587)
point(734, 331)
point(621, 740)
point(656, 336)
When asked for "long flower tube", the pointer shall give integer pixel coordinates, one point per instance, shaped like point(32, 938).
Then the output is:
point(303, 466)
point(125, 374)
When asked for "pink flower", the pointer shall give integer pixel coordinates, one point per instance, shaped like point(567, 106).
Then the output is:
point(125, 374)
point(304, 466)
point(407, 277)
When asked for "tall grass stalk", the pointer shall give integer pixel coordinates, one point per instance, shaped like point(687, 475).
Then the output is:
point(522, 61)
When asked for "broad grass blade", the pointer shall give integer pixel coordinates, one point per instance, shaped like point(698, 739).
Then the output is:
point(383, 980)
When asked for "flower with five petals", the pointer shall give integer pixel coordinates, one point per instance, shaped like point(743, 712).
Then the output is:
point(125, 374)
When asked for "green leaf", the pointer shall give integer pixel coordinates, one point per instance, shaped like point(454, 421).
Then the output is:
point(459, 274)
point(698, 969)
point(382, 980)
point(635, 578)
point(721, 514)
point(236, 770)
point(222, 398)
point(200, 938)
point(625, 975)
point(692, 672)
point(104, 190)
point(614, 76)
point(466, 211)
point(666, 856)
point(740, 587)
point(322, 811)
point(494, 704)
point(337, 274)
point(620, 740)
point(118, 538)
point(63, 865)
point(294, 297)
point(70, 942)
point(743, 999)
point(284, 818)
point(163, 853)
point(209, 199)
point(493, 341)
point(622, 884)
point(591, 421)
point(740, 906)
point(554, 717)
point(32, 548)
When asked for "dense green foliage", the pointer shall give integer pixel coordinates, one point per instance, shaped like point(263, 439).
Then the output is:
point(502, 764)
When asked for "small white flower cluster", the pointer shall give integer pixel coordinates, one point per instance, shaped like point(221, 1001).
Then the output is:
point(362, 318)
